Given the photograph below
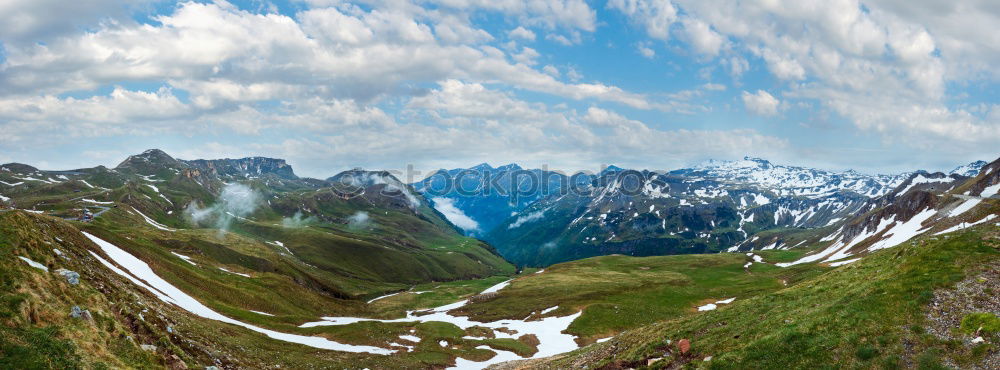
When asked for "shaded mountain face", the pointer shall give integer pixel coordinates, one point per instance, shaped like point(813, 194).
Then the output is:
point(716, 206)
point(478, 199)
point(646, 213)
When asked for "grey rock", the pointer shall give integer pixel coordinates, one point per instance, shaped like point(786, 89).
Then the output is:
point(148, 347)
point(71, 276)
point(80, 313)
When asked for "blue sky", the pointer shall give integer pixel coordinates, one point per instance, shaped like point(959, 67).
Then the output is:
point(877, 86)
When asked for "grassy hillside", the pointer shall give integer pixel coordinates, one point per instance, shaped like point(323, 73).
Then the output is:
point(617, 293)
point(874, 313)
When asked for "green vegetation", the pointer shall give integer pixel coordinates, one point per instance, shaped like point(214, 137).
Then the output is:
point(982, 322)
point(866, 314)
point(621, 292)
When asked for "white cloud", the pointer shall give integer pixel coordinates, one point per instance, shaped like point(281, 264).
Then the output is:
point(761, 103)
point(655, 16)
point(226, 55)
point(522, 33)
point(447, 207)
point(571, 14)
point(31, 21)
point(646, 51)
point(713, 87)
point(701, 36)
point(844, 54)
point(527, 56)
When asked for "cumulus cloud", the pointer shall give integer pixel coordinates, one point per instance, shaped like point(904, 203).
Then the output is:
point(701, 36)
point(334, 82)
point(845, 55)
point(646, 51)
point(227, 55)
point(655, 16)
point(522, 33)
point(761, 103)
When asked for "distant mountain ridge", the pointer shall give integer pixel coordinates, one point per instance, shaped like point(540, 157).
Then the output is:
point(714, 206)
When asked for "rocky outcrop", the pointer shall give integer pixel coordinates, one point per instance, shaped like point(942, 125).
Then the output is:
point(245, 167)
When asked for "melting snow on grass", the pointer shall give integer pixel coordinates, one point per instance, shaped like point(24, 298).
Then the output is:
point(141, 274)
point(990, 191)
point(33, 263)
point(712, 306)
point(501, 356)
point(95, 201)
point(904, 231)
point(261, 313)
point(548, 330)
point(841, 263)
point(234, 272)
point(966, 225)
point(898, 232)
point(381, 297)
point(412, 338)
point(153, 222)
point(967, 205)
point(183, 257)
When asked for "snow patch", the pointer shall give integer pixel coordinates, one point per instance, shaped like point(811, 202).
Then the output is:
point(33, 263)
point(139, 273)
point(183, 257)
point(153, 222)
point(844, 262)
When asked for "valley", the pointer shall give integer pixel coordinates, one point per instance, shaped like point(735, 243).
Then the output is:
point(361, 271)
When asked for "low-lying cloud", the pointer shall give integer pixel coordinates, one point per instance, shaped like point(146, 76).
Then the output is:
point(235, 201)
point(447, 207)
point(359, 220)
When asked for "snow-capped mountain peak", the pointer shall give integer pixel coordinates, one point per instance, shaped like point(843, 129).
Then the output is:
point(971, 169)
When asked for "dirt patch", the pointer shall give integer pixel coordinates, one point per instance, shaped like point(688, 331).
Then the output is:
point(978, 293)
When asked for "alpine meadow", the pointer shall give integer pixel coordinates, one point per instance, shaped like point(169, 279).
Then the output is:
point(507, 184)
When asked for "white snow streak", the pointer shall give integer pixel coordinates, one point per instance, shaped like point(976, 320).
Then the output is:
point(142, 275)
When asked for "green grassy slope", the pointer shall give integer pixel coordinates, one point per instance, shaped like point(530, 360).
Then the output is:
point(869, 314)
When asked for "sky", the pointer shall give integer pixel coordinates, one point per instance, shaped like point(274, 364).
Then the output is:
point(880, 86)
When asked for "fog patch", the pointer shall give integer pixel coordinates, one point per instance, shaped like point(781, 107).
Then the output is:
point(359, 220)
point(447, 208)
point(527, 218)
point(235, 201)
point(392, 186)
point(297, 221)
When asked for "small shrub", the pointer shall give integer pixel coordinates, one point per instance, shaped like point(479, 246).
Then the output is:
point(989, 323)
point(891, 362)
point(866, 352)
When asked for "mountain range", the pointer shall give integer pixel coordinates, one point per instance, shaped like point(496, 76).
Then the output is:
point(715, 206)
point(240, 263)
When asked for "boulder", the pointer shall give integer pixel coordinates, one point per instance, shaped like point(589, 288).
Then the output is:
point(80, 313)
point(71, 276)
